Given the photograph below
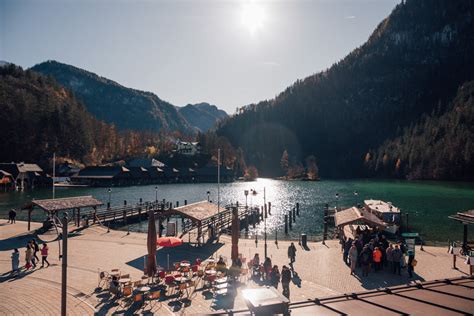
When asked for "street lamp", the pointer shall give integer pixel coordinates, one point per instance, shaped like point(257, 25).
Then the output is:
point(246, 192)
point(265, 224)
point(156, 194)
point(337, 199)
point(208, 195)
point(110, 196)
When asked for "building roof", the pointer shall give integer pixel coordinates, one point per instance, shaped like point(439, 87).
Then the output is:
point(438, 297)
point(353, 215)
point(53, 205)
point(101, 172)
point(15, 168)
point(198, 211)
point(381, 206)
point(464, 217)
point(146, 162)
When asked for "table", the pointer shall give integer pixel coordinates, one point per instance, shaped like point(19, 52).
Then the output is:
point(184, 264)
point(266, 301)
point(115, 273)
point(143, 289)
point(221, 286)
point(211, 272)
point(123, 281)
point(181, 279)
point(221, 280)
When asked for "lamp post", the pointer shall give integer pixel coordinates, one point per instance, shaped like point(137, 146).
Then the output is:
point(337, 199)
point(64, 266)
point(208, 195)
point(246, 192)
point(156, 193)
point(265, 225)
point(110, 196)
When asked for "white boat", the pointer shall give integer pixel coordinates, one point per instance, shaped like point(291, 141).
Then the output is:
point(67, 184)
point(385, 211)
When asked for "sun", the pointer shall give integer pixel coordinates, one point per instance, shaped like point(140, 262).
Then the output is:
point(253, 17)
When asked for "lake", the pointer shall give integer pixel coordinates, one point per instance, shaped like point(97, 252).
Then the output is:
point(427, 203)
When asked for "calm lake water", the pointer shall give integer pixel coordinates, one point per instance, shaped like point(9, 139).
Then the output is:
point(427, 203)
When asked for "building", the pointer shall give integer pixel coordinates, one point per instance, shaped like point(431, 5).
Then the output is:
point(25, 175)
point(103, 176)
point(188, 148)
point(6, 181)
point(146, 163)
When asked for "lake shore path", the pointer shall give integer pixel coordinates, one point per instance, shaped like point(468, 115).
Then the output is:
point(320, 269)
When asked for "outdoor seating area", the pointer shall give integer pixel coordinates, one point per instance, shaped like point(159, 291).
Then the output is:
point(175, 285)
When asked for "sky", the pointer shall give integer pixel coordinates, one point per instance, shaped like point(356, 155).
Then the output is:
point(227, 53)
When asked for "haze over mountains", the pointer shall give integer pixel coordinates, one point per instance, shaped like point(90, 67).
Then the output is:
point(411, 67)
point(129, 109)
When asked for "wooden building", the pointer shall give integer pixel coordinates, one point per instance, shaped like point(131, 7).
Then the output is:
point(25, 175)
point(104, 176)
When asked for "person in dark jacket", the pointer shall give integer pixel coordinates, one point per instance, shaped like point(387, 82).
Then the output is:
point(275, 277)
point(285, 281)
point(396, 259)
point(365, 259)
point(411, 263)
point(292, 253)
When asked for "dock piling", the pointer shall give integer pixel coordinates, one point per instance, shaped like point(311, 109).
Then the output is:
point(289, 220)
point(270, 208)
point(266, 214)
point(286, 224)
point(294, 215)
point(298, 209)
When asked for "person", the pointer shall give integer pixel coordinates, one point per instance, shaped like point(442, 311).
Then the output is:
point(29, 257)
point(114, 286)
point(388, 255)
point(396, 258)
point(36, 249)
point(411, 263)
point(267, 267)
point(15, 260)
point(353, 254)
point(256, 260)
point(347, 247)
point(238, 262)
point(292, 253)
point(285, 281)
point(275, 277)
point(403, 260)
point(377, 258)
point(44, 255)
point(10, 217)
point(221, 266)
point(365, 259)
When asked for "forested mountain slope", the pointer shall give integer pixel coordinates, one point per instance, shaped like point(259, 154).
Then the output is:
point(412, 65)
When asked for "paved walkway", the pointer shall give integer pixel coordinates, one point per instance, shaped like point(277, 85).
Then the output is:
point(320, 269)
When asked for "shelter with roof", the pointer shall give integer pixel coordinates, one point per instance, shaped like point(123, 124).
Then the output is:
point(352, 219)
point(203, 216)
point(52, 207)
point(103, 176)
point(6, 180)
point(466, 218)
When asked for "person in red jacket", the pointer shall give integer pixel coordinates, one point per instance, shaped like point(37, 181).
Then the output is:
point(44, 255)
point(377, 258)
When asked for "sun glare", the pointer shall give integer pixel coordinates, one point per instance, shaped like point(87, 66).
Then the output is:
point(253, 17)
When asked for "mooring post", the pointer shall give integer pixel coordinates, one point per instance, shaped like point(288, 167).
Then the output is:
point(270, 208)
point(325, 228)
point(246, 221)
point(286, 224)
point(185, 202)
point(78, 217)
point(289, 219)
point(125, 217)
point(294, 215)
point(298, 209)
point(177, 203)
point(265, 207)
point(254, 219)
point(124, 202)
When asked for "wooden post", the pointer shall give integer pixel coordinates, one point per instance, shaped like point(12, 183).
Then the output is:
point(78, 217)
point(199, 233)
point(185, 202)
point(298, 208)
point(265, 208)
point(29, 219)
point(95, 214)
point(289, 221)
point(325, 228)
point(286, 224)
point(253, 218)
point(125, 217)
point(464, 237)
point(177, 203)
point(270, 208)
point(294, 215)
point(159, 226)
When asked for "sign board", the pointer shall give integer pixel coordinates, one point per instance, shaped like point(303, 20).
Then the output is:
point(410, 235)
point(410, 244)
point(171, 229)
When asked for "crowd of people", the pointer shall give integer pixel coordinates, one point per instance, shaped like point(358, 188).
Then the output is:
point(376, 253)
point(31, 256)
point(269, 273)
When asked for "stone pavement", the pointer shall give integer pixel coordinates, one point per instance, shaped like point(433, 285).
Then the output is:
point(320, 269)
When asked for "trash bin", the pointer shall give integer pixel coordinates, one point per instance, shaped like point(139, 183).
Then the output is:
point(304, 240)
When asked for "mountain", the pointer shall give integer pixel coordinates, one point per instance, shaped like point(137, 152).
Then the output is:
point(202, 116)
point(4, 63)
point(128, 109)
point(41, 117)
point(411, 66)
point(438, 147)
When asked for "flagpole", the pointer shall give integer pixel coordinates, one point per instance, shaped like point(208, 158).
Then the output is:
point(54, 175)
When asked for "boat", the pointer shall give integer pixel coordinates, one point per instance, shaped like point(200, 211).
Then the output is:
point(67, 184)
point(386, 212)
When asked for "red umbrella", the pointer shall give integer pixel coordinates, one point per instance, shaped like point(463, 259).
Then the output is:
point(169, 242)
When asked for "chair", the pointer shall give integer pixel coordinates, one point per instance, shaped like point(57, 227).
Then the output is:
point(137, 283)
point(176, 265)
point(154, 298)
point(182, 287)
point(125, 276)
point(104, 278)
point(169, 281)
point(138, 298)
point(126, 296)
point(145, 277)
point(115, 270)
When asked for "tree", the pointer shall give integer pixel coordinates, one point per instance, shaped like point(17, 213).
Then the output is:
point(284, 162)
point(312, 171)
point(251, 173)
